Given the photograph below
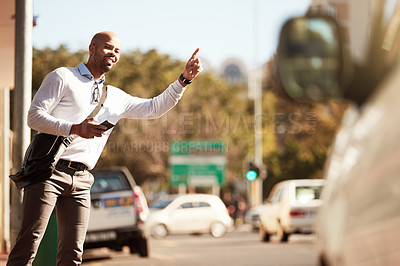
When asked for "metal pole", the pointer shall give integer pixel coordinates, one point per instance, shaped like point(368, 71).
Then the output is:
point(22, 99)
point(6, 169)
point(258, 145)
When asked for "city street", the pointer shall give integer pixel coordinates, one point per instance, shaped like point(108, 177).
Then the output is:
point(240, 247)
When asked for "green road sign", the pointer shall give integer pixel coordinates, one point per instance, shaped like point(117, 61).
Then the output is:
point(197, 163)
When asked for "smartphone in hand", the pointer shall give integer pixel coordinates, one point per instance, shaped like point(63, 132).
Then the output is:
point(107, 124)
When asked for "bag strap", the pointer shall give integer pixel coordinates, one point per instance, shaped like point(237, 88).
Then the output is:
point(101, 102)
point(69, 139)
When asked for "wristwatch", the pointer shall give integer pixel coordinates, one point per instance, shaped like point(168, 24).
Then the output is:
point(186, 81)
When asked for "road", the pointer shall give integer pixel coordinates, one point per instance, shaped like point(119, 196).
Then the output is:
point(237, 248)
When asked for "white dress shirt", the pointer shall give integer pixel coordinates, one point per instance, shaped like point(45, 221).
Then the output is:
point(66, 98)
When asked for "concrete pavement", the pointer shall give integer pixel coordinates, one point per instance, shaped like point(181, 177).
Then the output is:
point(239, 228)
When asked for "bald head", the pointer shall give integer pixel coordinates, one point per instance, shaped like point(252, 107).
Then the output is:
point(104, 36)
point(104, 52)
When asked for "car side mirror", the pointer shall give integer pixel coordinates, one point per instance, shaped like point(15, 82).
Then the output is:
point(312, 59)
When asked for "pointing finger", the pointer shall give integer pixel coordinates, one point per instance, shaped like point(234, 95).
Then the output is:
point(195, 53)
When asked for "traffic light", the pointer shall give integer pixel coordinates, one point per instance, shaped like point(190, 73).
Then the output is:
point(253, 171)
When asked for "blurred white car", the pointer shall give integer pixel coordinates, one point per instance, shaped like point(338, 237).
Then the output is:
point(359, 221)
point(189, 214)
point(291, 207)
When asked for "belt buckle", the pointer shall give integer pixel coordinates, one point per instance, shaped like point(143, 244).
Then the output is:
point(73, 168)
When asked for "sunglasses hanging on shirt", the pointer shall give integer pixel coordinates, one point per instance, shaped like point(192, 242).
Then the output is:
point(96, 93)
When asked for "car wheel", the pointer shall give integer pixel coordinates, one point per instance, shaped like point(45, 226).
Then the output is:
point(322, 260)
point(282, 235)
point(264, 235)
point(141, 246)
point(159, 231)
point(118, 248)
point(217, 229)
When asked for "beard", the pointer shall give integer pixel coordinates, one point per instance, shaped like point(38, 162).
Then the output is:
point(105, 68)
point(107, 65)
point(103, 63)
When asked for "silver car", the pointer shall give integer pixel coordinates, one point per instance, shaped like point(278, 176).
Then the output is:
point(118, 212)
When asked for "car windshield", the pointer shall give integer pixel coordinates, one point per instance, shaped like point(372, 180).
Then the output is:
point(109, 184)
point(306, 194)
point(160, 204)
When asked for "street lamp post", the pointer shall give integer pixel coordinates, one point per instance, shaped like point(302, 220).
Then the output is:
point(256, 185)
point(22, 98)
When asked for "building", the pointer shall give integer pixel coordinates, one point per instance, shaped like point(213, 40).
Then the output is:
point(234, 70)
point(7, 53)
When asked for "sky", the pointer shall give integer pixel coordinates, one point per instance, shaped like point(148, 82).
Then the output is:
point(244, 29)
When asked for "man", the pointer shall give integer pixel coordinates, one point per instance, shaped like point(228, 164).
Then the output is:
point(61, 107)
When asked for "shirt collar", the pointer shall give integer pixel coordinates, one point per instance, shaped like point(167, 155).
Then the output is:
point(82, 68)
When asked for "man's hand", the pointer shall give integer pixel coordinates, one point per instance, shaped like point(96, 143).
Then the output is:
point(193, 67)
point(87, 129)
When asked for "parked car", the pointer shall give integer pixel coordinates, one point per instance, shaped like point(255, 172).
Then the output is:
point(189, 214)
point(359, 221)
point(252, 216)
point(291, 208)
point(118, 212)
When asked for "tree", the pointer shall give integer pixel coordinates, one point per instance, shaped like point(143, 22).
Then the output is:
point(47, 60)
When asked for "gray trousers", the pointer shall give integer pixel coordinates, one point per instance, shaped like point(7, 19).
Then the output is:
point(69, 191)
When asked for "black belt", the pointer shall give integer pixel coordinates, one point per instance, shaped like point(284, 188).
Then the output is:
point(76, 166)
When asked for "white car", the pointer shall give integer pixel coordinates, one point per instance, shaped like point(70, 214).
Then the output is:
point(359, 220)
point(291, 207)
point(189, 214)
point(118, 212)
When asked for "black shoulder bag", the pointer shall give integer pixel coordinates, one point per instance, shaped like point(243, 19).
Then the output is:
point(44, 152)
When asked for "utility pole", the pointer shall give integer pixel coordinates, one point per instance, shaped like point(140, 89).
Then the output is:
point(6, 169)
point(256, 185)
point(22, 99)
